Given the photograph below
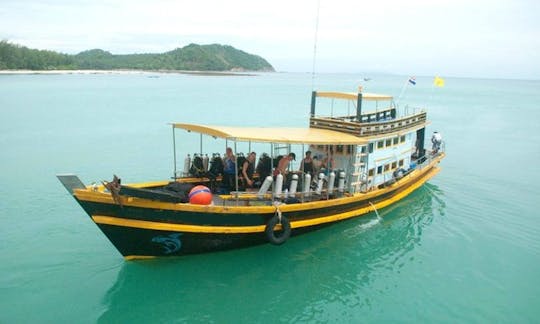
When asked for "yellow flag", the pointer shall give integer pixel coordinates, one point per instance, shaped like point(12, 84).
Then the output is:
point(438, 82)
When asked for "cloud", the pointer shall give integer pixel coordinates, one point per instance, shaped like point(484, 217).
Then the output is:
point(398, 35)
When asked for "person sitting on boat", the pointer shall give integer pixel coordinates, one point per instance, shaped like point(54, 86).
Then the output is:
point(306, 166)
point(283, 165)
point(248, 169)
point(317, 164)
point(436, 139)
point(229, 169)
point(328, 163)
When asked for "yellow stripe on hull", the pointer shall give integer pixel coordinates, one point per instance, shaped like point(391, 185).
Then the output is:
point(105, 198)
point(108, 220)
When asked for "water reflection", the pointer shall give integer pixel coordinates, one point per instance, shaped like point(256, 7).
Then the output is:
point(322, 276)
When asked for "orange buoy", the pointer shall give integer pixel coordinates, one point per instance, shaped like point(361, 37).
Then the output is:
point(200, 195)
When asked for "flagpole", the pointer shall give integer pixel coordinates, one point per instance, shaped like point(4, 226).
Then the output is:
point(402, 92)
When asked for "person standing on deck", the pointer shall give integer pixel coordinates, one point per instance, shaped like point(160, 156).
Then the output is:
point(436, 139)
point(229, 169)
point(306, 166)
point(283, 165)
point(248, 168)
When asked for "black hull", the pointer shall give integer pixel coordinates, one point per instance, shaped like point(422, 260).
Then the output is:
point(140, 243)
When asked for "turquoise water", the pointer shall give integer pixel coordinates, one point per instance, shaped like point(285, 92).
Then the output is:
point(463, 248)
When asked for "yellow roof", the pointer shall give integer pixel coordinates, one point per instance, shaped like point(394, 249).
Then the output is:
point(275, 135)
point(353, 96)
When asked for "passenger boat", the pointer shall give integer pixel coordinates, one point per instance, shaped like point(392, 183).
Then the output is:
point(374, 157)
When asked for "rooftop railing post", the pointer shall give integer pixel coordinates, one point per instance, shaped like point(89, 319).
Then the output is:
point(359, 107)
point(174, 152)
point(313, 101)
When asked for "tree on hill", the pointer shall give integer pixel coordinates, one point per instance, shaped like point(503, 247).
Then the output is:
point(214, 57)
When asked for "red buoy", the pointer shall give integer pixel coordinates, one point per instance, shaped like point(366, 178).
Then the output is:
point(200, 195)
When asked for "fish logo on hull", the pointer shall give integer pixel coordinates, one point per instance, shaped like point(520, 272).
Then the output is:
point(170, 243)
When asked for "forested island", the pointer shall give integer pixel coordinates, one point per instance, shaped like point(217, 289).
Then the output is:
point(193, 57)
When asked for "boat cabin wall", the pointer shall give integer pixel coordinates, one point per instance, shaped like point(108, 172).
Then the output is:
point(388, 154)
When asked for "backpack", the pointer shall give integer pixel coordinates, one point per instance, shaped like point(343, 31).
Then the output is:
point(264, 166)
point(197, 167)
point(240, 162)
point(216, 166)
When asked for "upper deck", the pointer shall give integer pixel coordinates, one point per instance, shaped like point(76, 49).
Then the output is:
point(378, 122)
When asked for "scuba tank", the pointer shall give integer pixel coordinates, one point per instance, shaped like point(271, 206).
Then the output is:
point(320, 183)
point(341, 182)
point(279, 185)
point(187, 165)
point(331, 180)
point(265, 186)
point(307, 184)
point(205, 162)
point(294, 184)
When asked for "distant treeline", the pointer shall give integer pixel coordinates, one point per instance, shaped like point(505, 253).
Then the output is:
point(192, 57)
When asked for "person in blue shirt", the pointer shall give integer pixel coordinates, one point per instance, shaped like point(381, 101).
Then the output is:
point(229, 169)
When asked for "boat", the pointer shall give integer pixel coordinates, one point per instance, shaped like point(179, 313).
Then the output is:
point(362, 161)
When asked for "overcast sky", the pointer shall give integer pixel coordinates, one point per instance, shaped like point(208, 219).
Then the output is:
point(469, 38)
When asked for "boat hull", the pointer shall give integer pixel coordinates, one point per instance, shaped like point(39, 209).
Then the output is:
point(141, 228)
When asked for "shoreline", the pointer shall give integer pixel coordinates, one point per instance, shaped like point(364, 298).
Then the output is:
point(128, 72)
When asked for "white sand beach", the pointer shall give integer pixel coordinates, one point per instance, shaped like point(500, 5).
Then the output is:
point(49, 72)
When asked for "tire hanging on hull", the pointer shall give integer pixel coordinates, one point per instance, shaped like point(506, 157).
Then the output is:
point(274, 237)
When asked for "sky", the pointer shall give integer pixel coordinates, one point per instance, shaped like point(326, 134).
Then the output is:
point(455, 38)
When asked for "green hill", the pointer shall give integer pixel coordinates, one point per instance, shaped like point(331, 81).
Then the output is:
point(192, 57)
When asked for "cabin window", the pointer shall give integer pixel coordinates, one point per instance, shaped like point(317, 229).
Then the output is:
point(339, 148)
point(363, 150)
point(349, 149)
point(371, 172)
point(396, 140)
point(394, 165)
point(402, 139)
point(388, 142)
point(380, 144)
point(386, 167)
point(400, 163)
point(379, 169)
point(370, 148)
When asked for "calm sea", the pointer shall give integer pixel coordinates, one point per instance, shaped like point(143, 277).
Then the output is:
point(463, 248)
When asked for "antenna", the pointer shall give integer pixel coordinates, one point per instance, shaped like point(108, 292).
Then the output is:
point(315, 47)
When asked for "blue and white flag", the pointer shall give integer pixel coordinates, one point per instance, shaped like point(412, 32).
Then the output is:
point(412, 80)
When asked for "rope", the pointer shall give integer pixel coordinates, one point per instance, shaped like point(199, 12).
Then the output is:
point(375, 209)
point(278, 211)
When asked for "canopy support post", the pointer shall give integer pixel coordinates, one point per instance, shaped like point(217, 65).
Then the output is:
point(302, 168)
point(200, 145)
point(272, 167)
point(236, 172)
point(174, 152)
point(313, 100)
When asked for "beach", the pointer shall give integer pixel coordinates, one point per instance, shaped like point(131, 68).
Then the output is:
point(125, 72)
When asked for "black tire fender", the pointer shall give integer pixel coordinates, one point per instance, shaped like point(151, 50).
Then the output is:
point(275, 237)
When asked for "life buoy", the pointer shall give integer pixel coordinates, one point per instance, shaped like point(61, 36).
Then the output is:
point(278, 237)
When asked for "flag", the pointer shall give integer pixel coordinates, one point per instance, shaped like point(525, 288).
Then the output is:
point(412, 80)
point(438, 82)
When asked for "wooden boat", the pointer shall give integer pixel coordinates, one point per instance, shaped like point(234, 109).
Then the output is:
point(378, 156)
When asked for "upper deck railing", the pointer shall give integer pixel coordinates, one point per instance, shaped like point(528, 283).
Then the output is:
point(366, 123)
point(369, 128)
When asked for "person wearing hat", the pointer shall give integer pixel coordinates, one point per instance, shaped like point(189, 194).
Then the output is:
point(283, 164)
